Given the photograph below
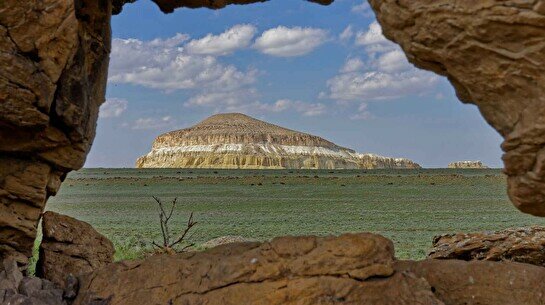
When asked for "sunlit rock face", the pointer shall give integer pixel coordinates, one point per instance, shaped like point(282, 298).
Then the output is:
point(493, 53)
point(236, 140)
point(53, 67)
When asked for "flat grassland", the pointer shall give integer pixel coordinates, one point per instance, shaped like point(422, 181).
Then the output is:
point(408, 206)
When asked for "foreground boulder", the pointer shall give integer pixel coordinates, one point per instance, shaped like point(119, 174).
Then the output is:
point(493, 54)
point(349, 269)
point(16, 289)
point(480, 283)
point(70, 246)
point(524, 245)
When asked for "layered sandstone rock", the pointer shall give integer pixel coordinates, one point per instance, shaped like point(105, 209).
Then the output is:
point(53, 66)
point(467, 164)
point(457, 282)
point(493, 53)
point(349, 269)
point(524, 245)
point(70, 246)
point(235, 140)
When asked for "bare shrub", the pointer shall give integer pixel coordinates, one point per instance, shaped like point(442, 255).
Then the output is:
point(169, 241)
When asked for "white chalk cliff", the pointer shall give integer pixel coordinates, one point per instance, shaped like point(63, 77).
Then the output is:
point(467, 164)
point(235, 140)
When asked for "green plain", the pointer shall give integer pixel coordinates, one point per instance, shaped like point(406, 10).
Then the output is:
point(408, 206)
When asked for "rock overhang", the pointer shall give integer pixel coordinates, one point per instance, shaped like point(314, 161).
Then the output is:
point(168, 6)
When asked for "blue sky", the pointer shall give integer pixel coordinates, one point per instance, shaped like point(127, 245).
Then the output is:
point(323, 70)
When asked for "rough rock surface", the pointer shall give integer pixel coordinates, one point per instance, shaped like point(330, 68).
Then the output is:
point(16, 289)
point(235, 140)
point(493, 53)
point(480, 283)
point(168, 6)
point(54, 61)
point(70, 246)
point(467, 164)
point(524, 245)
point(349, 269)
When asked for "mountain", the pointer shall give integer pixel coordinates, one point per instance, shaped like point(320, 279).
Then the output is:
point(234, 140)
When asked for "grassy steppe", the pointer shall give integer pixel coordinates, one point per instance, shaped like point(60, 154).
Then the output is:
point(408, 206)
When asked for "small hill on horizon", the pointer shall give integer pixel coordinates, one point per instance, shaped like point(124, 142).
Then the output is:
point(467, 165)
point(238, 141)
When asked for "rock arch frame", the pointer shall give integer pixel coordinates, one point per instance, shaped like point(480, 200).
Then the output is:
point(54, 56)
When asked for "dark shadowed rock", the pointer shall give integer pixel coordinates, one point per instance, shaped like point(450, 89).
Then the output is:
point(30, 285)
point(70, 246)
point(10, 275)
point(168, 6)
point(15, 289)
point(349, 269)
point(524, 245)
point(458, 282)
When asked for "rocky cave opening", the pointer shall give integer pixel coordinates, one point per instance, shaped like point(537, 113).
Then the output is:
point(54, 58)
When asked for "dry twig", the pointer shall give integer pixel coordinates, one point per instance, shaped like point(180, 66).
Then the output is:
point(167, 245)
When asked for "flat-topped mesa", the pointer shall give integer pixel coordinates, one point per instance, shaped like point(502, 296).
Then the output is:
point(235, 140)
point(237, 128)
point(467, 164)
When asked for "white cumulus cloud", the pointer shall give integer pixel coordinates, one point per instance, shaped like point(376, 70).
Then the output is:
point(352, 64)
point(223, 101)
point(306, 109)
point(386, 74)
point(151, 123)
point(393, 61)
point(362, 113)
point(113, 107)
point(247, 101)
point(238, 37)
point(346, 34)
point(164, 64)
point(363, 8)
point(373, 39)
point(287, 42)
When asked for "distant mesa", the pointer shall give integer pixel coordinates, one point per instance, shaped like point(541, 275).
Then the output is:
point(467, 164)
point(237, 141)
